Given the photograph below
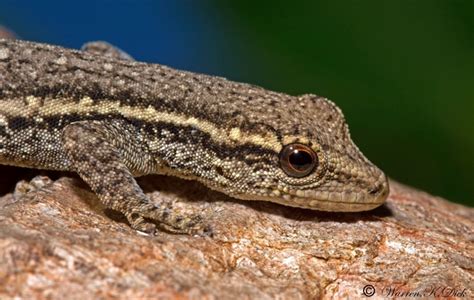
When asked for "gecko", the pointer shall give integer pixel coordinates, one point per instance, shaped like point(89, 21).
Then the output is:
point(101, 114)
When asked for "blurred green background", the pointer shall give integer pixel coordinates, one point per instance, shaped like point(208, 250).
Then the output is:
point(402, 71)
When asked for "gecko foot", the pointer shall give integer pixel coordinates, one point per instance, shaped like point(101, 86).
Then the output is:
point(151, 217)
point(103, 154)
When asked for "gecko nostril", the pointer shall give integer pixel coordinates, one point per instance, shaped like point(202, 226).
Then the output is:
point(375, 190)
point(380, 189)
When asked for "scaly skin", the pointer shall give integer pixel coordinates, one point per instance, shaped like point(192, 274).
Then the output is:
point(108, 118)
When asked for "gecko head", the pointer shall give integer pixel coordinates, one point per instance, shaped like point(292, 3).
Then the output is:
point(313, 163)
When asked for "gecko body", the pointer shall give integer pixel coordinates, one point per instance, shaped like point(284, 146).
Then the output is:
point(110, 119)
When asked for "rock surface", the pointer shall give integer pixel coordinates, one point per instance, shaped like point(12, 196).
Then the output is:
point(56, 242)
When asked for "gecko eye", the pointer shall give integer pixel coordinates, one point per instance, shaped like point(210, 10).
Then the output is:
point(298, 160)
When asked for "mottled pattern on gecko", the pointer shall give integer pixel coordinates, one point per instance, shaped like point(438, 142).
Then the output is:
point(109, 118)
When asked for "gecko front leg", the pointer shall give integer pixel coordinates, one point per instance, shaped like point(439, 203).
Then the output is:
point(106, 155)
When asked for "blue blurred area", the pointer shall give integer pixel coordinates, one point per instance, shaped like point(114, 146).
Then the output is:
point(177, 33)
point(402, 71)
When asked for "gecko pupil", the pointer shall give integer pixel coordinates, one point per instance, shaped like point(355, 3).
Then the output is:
point(298, 160)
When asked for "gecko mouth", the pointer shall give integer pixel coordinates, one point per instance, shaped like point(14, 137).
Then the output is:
point(325, 201)
point(340, 200)
point(333, 202)
point(343, 201)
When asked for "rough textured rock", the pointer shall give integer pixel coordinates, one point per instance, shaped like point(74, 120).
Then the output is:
point(56, 242)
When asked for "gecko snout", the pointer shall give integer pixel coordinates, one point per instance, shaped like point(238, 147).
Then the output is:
point(380, 191)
